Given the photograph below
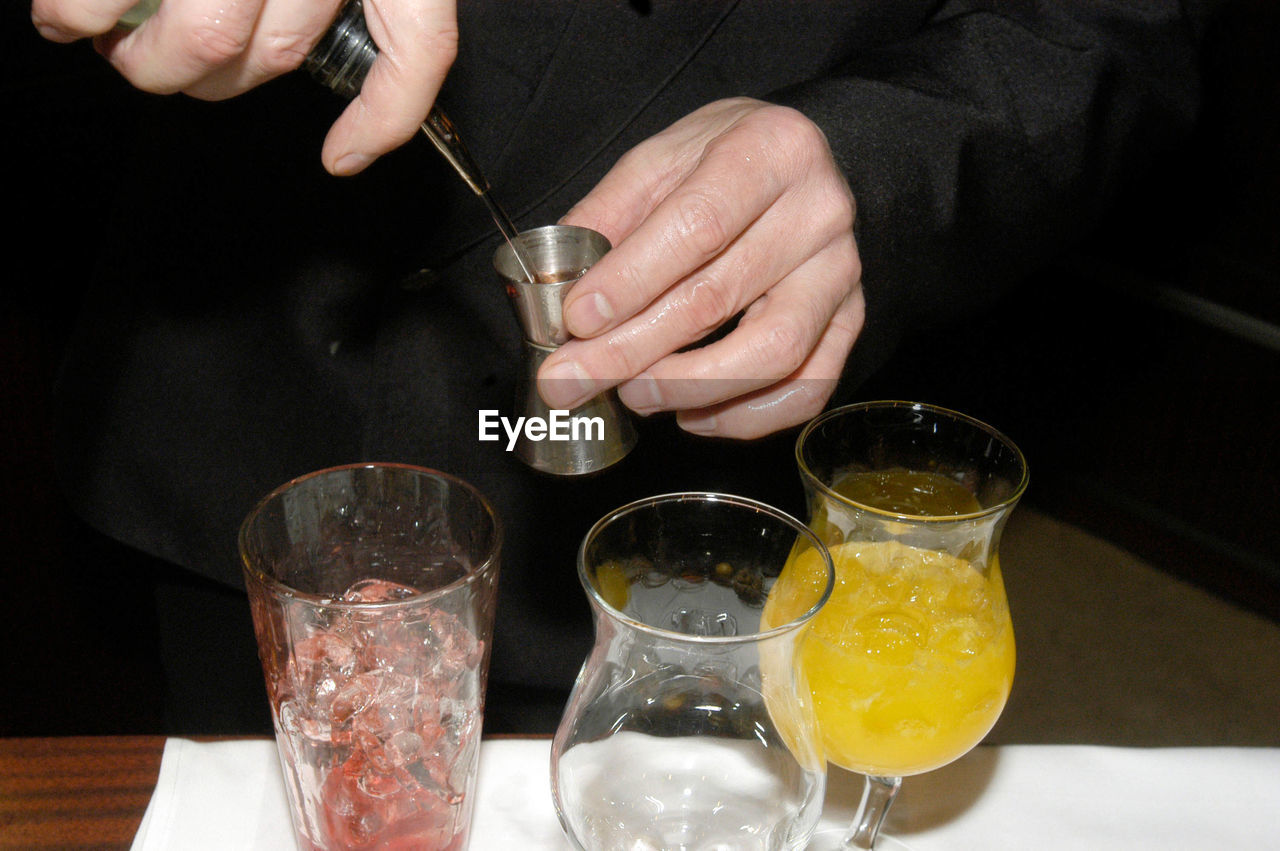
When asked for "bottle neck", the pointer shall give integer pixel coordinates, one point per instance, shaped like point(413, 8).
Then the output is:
point(345, 53)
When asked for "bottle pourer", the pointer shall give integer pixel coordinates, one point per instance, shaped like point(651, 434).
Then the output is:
point(341, 60)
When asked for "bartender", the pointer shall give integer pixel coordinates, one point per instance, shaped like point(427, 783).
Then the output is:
point(788, 187)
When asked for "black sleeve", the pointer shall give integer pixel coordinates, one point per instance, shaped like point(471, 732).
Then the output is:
point(984, 144)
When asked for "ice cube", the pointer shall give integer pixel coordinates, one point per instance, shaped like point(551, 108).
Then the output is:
point(377, 591)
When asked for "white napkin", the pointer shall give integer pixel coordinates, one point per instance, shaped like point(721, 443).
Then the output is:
point(1073, 797)
point(226, 796)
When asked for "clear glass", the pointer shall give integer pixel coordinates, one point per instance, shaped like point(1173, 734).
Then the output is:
point(911, 661)
point(372, 589)
point(689, 726)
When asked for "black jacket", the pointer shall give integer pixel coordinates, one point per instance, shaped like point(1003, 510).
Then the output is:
point(252, 319)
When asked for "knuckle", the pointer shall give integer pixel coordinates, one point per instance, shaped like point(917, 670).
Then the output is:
point(835, 204)
point(794, 132)
point(282, 52)
point(854, 261)
point(839, 202)
point(443, 44)
point(619, 359)
point(780, 349)
point(60, 22)
point(844, 266)
point(701, 217)
point(47, 17)
point(711, 303)
point(850, 318)
point(47, 13)
point(646, 160)
point(214, 46)
point(798, 146)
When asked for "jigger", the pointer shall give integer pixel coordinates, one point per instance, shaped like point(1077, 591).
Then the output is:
point(599, 432)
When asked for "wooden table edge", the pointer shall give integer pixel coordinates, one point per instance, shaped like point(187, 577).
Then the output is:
point(68, 792)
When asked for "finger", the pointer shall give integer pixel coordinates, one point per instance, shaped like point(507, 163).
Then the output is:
point(779, 406)
point(684, 314)
point(285, 32)
point(417, 43)
point(772, 340)
point(183, 42)
point(61, 21)
point(798, 398)
point(770, 250)
point(732, 185)
point(646, 174)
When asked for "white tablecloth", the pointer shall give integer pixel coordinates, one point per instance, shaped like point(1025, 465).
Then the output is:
point(229, 795)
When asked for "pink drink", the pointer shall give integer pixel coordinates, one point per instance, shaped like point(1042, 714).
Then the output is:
point(378, 717)
point(373, 589)
point(377, 712)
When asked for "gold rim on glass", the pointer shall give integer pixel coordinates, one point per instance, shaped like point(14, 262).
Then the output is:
point(995, 434)
point(699, 496)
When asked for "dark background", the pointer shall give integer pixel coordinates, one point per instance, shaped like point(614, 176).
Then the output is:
point(1140, 372)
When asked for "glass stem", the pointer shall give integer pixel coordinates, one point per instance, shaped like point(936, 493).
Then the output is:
point(877, 797)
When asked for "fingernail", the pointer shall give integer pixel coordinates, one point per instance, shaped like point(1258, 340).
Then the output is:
point(642, 394)
point(350, 164)
point(696, 423)
point(565, 385)
point(588, 315)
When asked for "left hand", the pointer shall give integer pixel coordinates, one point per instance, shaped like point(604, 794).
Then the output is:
point(738, 206)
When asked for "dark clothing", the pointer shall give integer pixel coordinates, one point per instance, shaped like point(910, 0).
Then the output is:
point(253, 319)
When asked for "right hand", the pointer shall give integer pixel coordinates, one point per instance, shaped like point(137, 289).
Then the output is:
point(215, 49)
point(737, 211)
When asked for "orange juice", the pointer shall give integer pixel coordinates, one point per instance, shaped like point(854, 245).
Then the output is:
point(911, 660)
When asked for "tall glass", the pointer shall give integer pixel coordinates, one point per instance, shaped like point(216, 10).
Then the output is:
point(911, 661)
point(372, 589)
point(689, 726)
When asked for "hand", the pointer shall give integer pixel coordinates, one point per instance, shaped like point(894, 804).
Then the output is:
point(214, 49)
point(738, 206)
